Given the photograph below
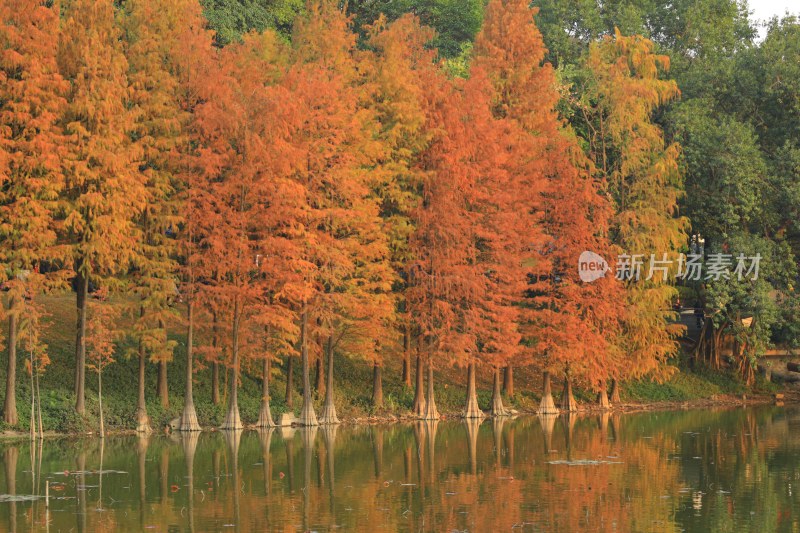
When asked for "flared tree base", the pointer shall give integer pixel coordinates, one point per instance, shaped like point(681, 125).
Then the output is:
point(547, 406)
point(568, 402)
point(265, 416)
point(472, 410)
point(419, 409)
point(307, 415)
point(431, 413)
point(615, 399)
point(602, 400)
point(189, 420)
point(232, 420)
point(498, 409)
point(328, 415)
point(143, 422)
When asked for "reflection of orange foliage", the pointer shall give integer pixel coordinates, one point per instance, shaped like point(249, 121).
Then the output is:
point(448, 476)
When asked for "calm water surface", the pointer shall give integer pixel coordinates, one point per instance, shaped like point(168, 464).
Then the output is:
point(702, 470)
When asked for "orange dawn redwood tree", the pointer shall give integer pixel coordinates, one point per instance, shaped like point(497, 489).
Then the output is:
point(474, 230)
point(399, 53)
point(32, 333)
point(622, 92)
point(573, 326)
point(347, 277)
point(31, 99)
point(167, 50)
point(104, 191)
point(318, 198)
point(443, 282)
point(242, 198)
point(504, 231)
point(101, 336)
point(157, 130)
point(399, 64)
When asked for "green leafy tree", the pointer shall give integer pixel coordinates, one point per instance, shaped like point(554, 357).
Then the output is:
point(231, 19)
point(456, 21)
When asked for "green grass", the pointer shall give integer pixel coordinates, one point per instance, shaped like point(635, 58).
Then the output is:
point(685, 385)
point(352, 393)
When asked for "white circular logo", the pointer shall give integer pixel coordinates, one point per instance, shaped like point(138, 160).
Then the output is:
point(592, 266)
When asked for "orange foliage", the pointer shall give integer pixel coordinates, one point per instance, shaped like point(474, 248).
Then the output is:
point(569, 323)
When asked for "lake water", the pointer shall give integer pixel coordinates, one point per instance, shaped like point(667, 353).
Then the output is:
point(698, 470)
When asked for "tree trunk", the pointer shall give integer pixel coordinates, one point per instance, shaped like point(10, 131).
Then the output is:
point(319, 377)
point(472, 409)
point(547, 406)
point(307, 415)
point(602, 397)
point(431, 413)
point(568, 402)
point(161, 387)
point(407, 356)
point(100, 403)
point(10, 405)
point(142, 420)
point(289, 398)
point(39, 410)
point(615, 392)
point(508, 381)
point(80, 344)
point(419, 393)
point(33, 402)
point(232, 419)
point(329, 409)
point(189, 420)
point(498, 409)
point(265, 414)
point(377, 386)
point(215, 364)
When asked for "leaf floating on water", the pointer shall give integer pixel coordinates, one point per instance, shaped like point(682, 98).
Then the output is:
point(8, 498)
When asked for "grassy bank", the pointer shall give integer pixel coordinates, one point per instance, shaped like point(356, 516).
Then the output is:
point(353, 388)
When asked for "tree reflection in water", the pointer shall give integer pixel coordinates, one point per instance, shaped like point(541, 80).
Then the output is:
point(712, 470)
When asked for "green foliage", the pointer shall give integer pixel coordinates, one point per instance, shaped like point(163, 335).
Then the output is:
point(233, 18)
point(456, 21)
point(683, 386)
